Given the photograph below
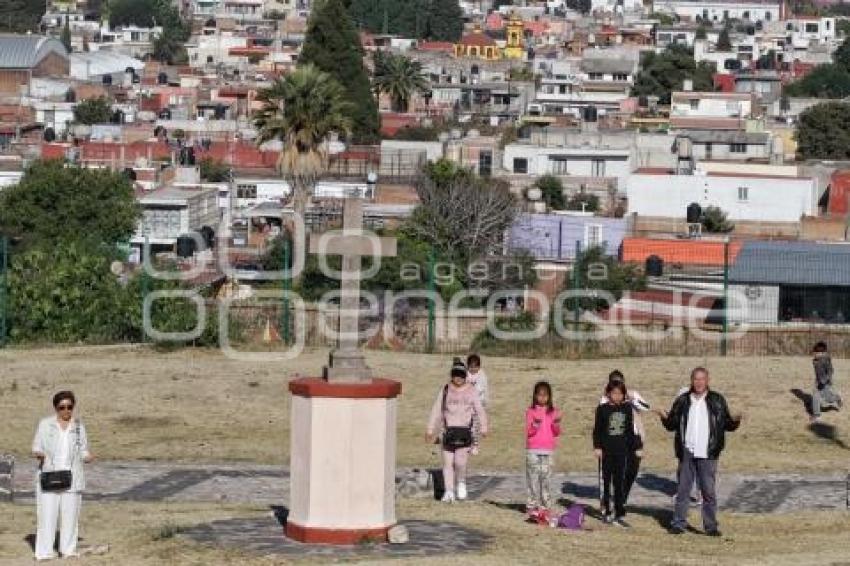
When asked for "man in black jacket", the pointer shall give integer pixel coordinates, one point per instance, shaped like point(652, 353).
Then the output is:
point(700, 418)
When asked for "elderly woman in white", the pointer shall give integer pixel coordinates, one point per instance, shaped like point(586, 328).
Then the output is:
point(60, 445)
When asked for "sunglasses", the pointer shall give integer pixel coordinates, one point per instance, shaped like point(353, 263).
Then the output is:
point(65, 408)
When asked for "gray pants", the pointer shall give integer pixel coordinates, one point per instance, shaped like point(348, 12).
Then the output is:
point(703, 471)
point(825, 396)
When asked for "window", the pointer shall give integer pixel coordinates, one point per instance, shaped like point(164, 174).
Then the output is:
point(246, 191)
point(558, 165)
point(767, 16)
point(597, 168)
point(738, 147)
point(621, 77)
point(520, 165)
point(694, 102)
point(743, 193)
point(595, 76)
point(811, 28)
point(592, 236)
point(826, 25)
point(745, 15)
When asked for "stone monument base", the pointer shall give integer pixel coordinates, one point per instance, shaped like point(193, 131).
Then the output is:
point(342, 452)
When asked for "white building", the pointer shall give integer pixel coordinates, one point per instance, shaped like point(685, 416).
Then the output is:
point(593, 159)
point(761, 198)
point(56, 115)
point(807, 30)
point(170, 212)
point(599, 80)
point(709, 110)
point(720, 10)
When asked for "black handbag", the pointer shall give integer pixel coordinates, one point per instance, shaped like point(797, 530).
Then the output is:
point(56, 481)
point(455, 437)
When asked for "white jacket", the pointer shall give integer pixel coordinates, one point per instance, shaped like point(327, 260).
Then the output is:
point(46, 437)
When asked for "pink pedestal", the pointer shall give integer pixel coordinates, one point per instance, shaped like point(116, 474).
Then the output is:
point(342, 460)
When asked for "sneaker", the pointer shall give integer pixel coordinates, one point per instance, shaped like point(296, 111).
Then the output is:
point(461, 491)
point(713, 533)
point(677, 530)
point(608, 519)
point(621, 522)
point(448, 497)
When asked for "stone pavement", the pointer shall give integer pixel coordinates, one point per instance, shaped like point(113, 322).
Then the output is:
point(269, 485)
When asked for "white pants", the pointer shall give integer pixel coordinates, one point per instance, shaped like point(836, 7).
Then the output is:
point(62, 507)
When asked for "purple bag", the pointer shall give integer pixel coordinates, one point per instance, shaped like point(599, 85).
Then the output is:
point(573, 518)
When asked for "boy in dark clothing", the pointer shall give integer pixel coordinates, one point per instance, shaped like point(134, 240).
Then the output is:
point(823, 393)
point(614, 441)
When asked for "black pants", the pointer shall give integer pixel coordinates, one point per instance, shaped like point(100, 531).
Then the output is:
point(614, 475)
point(632, 469)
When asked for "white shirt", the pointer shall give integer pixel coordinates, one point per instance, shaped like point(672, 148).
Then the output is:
point(696, 437)
point(62, 456)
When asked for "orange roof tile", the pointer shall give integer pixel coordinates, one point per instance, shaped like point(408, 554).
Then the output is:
point(688, 252)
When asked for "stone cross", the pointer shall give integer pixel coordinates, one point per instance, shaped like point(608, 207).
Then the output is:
point(346, 363)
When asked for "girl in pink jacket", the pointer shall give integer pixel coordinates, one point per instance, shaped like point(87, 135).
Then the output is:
point(542, 429)
point(453, 411)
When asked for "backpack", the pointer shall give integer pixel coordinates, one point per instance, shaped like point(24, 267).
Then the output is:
point(573, 518)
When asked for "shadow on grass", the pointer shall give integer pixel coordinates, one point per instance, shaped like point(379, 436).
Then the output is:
point(659, 484)
point(828, 432)
point(805, 399)
point(518, 507)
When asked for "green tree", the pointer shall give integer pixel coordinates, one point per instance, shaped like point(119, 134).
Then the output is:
point(168, 48)
point(399, 77)
point(552, 191)
point(64, 292)
point(93, 111)
point(714, 221)
point(333, 46)
point(824, 81)
point(842, 27)
point(213, 170)
point(583, 201)
point(665, 72)
point(302, 109)
point(841, 56)
point(445, 20)
point(65, 38)
point(600, 272)
point(701, 32)
point(663, 19)
point(55, 202)
point(724, 43)
point(823, 132)
point(20, 16)
point(582, 6)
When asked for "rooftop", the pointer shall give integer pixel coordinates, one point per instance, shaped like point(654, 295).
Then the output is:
point(25, 51)
point(805, 264)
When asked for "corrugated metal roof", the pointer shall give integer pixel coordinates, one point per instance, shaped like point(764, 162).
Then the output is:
point(25, 51)
point(805, 264)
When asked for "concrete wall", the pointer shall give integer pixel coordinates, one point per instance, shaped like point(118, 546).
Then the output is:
point(768, 199)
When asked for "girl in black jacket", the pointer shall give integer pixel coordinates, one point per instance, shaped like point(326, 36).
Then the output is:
point(614, 440)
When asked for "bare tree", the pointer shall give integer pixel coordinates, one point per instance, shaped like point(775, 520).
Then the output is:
point(464, 217)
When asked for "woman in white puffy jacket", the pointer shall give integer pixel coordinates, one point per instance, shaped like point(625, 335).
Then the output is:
point(60, 444)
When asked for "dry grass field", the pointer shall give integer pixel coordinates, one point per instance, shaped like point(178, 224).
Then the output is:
point(197, 405)
point(142, 404)
point(143, 535)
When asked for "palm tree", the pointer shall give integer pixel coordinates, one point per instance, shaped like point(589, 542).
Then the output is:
point(399, 77)
point(302, 109)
